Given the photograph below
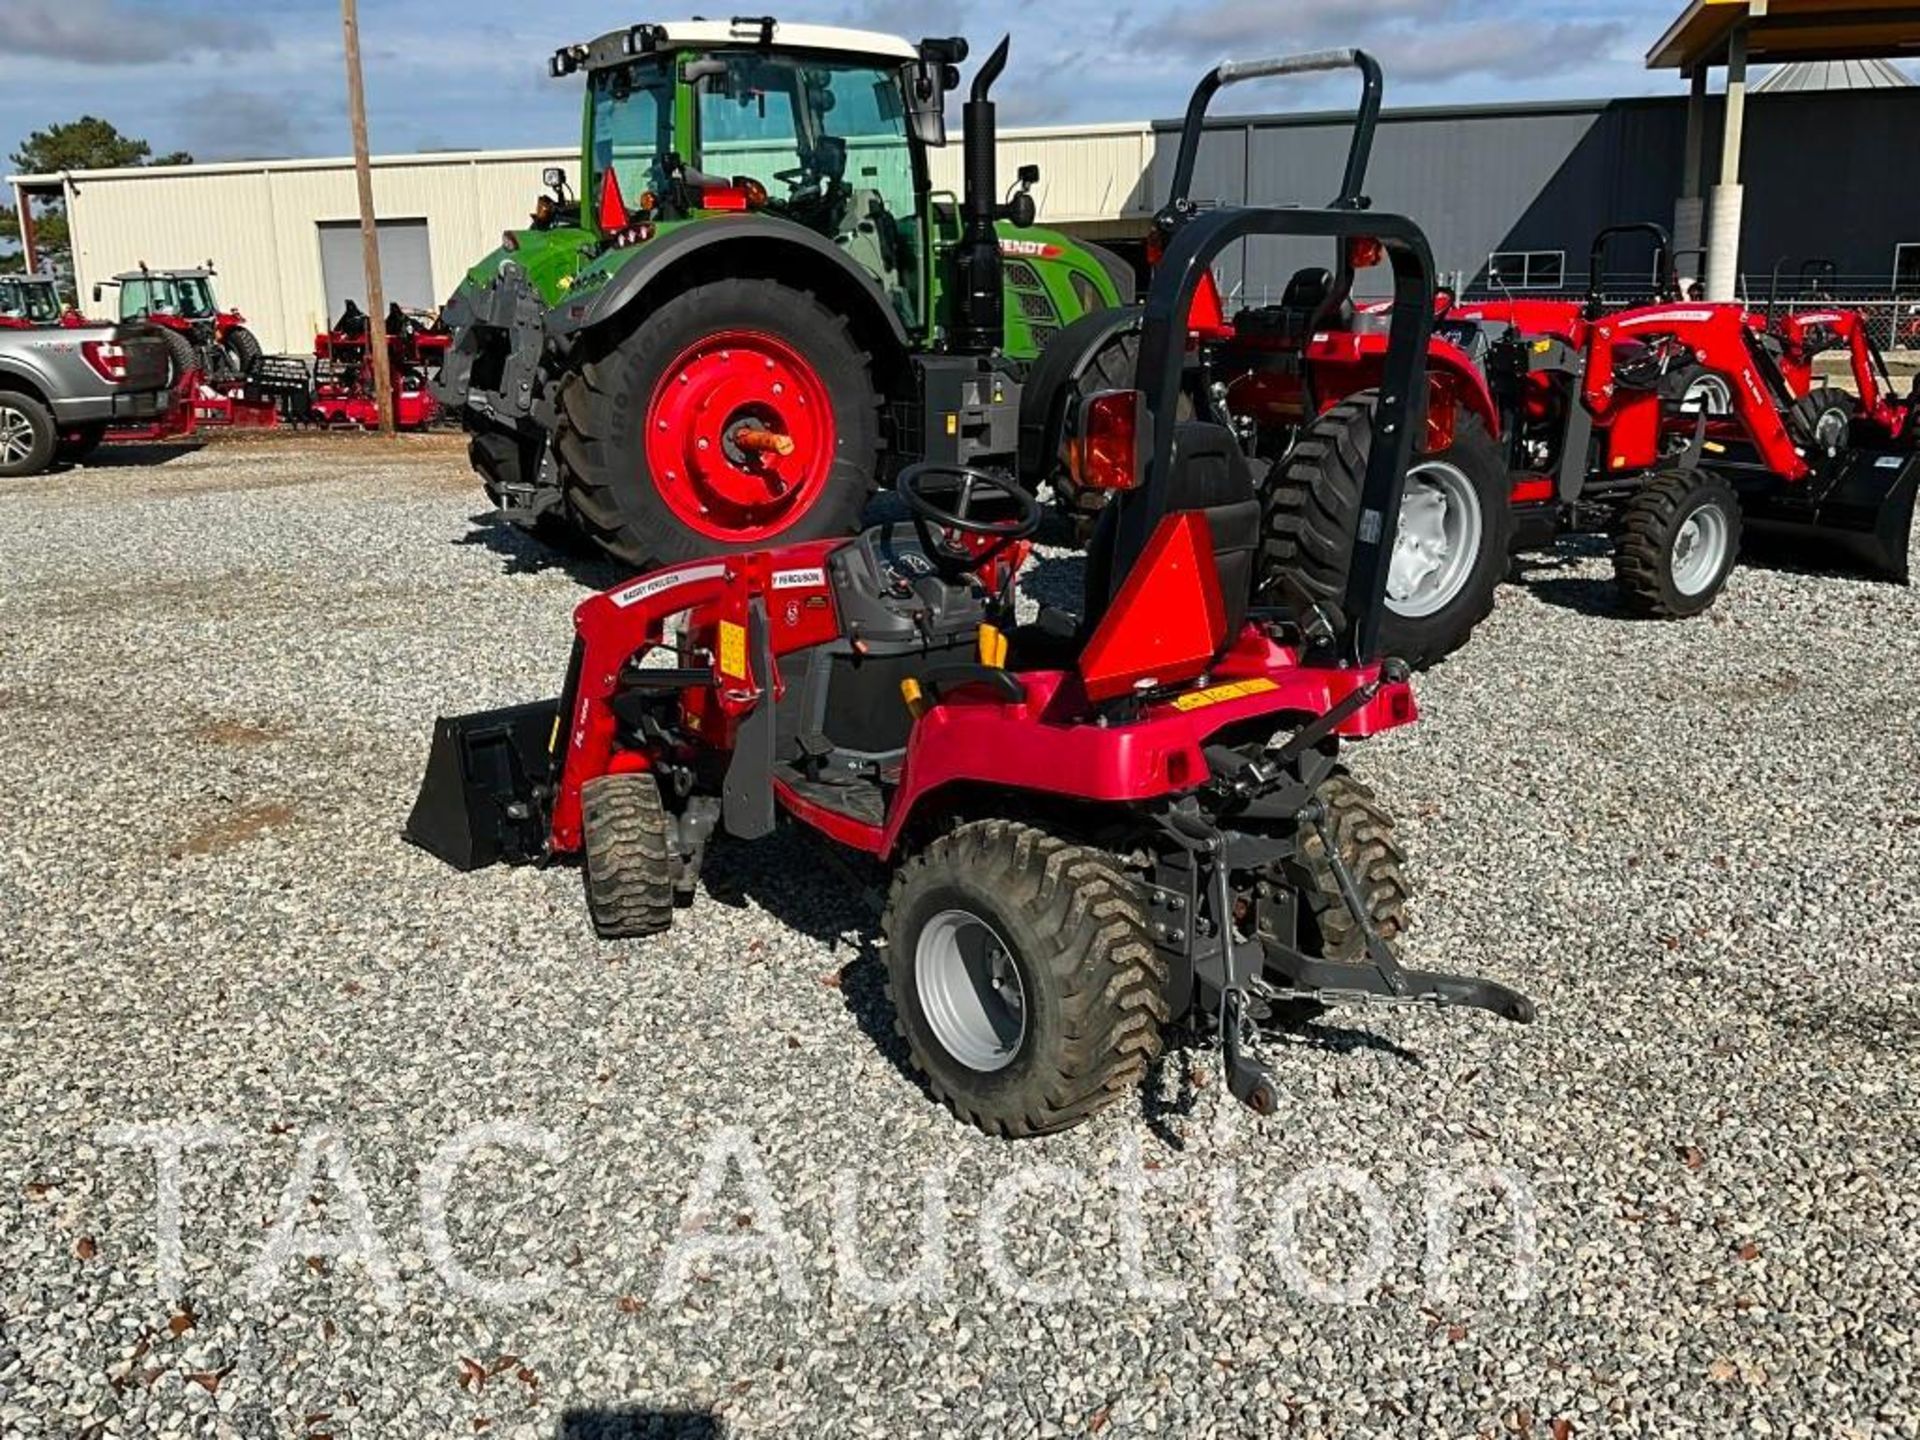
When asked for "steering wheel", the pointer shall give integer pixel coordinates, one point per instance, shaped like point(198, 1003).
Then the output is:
point(942, 498)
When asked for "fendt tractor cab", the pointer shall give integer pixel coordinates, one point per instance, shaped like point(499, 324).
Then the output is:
point(201, 336)
point(758, 307)
point(32, 302)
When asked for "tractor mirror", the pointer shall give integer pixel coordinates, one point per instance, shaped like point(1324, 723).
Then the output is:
point(1105, 455)
point(927, 102)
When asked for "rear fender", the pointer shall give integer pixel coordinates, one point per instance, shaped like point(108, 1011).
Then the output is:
point(1048, 746)
point(755, 244)
point(1346, 362)
point(1049, 388)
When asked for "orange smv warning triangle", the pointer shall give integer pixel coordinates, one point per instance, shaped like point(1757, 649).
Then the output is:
point(1168, 621)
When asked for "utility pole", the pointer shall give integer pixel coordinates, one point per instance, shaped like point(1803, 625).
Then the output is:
point(369, 229)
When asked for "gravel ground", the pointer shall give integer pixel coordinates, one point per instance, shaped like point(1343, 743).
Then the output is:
point(1697, 845)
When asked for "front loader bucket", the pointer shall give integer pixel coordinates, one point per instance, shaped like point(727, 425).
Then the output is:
point(484, 796)
point(1858, 514)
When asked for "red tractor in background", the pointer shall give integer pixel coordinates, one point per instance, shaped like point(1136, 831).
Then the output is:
point(203, 337)
point(343, 392)
point(1273, 371)
point(1670, 425)
point(32, 302)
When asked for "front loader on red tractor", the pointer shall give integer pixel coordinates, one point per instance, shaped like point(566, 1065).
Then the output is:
point(1310, 367)
point(1672, 427)
point(1098, 824)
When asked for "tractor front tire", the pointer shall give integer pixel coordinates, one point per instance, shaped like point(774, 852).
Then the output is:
point(628, 856)
point(1023, 977)
point(1451, 543)
point(646, 425)
point(1676, 544)
point(28, 438)
point(1822, 422)
point(243, 348)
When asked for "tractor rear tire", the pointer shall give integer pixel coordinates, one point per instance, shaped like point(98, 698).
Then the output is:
point(1363, 831)
point(244, 348)
point(1676, 544)
point(1077, 1014)
point(28, 438)
point(1822, 421)
point(78, 443)
point(1312, 509)
point(181, 356)
point(606, 416)
point(628, 855)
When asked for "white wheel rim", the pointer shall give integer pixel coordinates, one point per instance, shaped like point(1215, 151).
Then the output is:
point(1437, 542)
point(970, 990)
point(1832, 430)
point(16, 435)
point(1700, 549)
point(1708, 395)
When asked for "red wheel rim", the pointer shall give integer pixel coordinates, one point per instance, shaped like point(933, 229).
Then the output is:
point(717, 424)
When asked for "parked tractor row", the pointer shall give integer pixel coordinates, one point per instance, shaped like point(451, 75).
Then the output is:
point(744, 334)
point(1109, 820)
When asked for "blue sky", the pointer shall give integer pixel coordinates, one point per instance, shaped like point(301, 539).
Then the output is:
point(225, 79)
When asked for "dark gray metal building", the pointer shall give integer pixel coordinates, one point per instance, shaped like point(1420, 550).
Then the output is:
point(1513, 194)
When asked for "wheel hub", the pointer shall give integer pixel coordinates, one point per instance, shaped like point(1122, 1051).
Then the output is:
point(740, 436)
point(1700, 549)
point(970, 990)
point(1437, 541)
point(16, 436)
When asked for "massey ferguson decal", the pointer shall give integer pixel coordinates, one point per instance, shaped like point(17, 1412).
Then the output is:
point(799, 579)
point(657, 584)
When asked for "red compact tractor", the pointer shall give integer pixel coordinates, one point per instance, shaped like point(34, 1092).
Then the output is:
point(1313, 361)
point(32, 302)
point(343, 392)
point(1671, 426)
point(1098, 823)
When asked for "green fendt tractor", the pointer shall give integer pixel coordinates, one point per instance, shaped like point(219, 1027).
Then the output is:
point(758, 307)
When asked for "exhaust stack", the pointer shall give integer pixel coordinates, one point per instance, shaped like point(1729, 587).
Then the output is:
point(979, 311)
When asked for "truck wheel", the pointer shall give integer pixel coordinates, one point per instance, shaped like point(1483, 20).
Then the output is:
point(1450, 547)
point(651, 431)
point(1676, 544)
point(76, 444)
point(1023, 977)
point(241, 344)
point(181, 356)
point(628, 856)
point(27, 436)
point(1822, 420)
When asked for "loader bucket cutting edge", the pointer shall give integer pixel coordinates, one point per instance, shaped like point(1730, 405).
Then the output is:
point(483, 798)
point(1859, 515)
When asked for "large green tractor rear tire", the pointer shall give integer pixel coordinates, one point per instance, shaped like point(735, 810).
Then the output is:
point(738, 415)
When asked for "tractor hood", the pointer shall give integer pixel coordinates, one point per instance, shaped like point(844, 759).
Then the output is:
point(549, 258)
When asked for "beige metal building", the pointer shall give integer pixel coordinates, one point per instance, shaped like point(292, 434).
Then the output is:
point(283, 234)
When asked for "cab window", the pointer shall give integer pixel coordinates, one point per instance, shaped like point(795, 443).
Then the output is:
point(632, 129)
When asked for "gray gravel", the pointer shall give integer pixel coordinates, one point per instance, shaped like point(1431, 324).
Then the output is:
point(1697, 845)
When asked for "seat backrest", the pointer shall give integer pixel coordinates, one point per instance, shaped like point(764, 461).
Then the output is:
point(1211, 475)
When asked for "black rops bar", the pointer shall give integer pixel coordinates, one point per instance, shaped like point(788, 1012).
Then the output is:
point(1233, 72)
point(1403, 386)
point(1666, 276)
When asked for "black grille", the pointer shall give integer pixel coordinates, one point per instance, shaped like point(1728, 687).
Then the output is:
point(1021, 276)
point(1036, 307)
